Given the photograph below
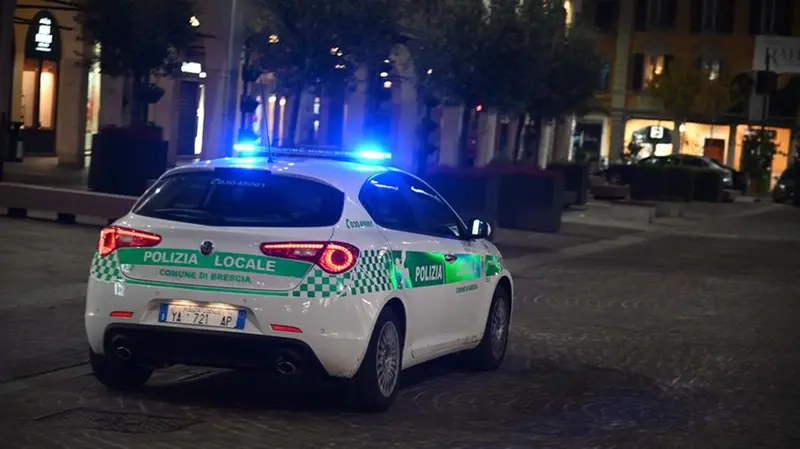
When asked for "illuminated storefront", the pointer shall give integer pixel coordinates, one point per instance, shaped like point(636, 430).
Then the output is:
point(646, 137)
point(93, 102)
point(38, 102)
point(782, 138)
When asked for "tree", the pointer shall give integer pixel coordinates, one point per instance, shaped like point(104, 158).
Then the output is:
point(139, 39)
point(320, 43)
point(470, 53)
point(570, 68)
point(758, 151)
point(689, 92)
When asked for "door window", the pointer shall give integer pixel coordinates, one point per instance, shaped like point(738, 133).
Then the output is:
point(434, 215)
point(383, 199)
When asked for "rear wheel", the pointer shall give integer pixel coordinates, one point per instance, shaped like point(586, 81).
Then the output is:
point(118, 375)
point(491, 351)
point(374, 387)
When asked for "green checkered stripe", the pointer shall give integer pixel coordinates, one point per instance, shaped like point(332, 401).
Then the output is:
point(373, 273)
point(105, 269)
point(370, 275)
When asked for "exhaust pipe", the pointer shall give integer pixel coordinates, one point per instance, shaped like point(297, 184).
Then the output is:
point(286, 368)
point(285, 365)
point(122, 348)
point(124, 353)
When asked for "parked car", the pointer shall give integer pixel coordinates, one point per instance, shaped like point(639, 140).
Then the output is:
point(613, 175)
point(784, 188)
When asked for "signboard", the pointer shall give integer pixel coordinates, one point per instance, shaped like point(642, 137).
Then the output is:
point(43, 40)
point(783, 54)
point(656, 132)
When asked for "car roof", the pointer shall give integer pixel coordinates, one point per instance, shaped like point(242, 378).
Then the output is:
point(344, 175)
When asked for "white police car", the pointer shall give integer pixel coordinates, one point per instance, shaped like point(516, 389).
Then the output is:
point(301, 264)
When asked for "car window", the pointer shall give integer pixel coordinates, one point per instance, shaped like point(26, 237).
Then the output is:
point(691, 161)
point(433, 214)
point(384, 201)
point(243, 197)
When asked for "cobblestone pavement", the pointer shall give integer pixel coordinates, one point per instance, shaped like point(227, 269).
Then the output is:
point(681, 341)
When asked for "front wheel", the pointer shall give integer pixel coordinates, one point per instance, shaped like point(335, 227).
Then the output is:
point(491, 351)
point(374, 387)
point(118, 375)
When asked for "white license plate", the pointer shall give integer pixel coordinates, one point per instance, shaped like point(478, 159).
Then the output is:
point(202, 316)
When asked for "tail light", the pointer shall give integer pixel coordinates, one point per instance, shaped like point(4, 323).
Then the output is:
point(114, 237)
point(333, 257)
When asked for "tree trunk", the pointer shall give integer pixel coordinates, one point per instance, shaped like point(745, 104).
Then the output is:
point(139, 111)
point(533, 139)
point(463, 141)
point(297, 98)
point(518, 138)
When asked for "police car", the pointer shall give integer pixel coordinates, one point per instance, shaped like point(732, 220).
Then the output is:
point(297, 262)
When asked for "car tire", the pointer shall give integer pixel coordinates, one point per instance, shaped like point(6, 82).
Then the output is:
point(490, 352)
point(374, 387)
point(118, 375)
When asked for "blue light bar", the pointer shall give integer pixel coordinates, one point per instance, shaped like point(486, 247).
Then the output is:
point(364, 153)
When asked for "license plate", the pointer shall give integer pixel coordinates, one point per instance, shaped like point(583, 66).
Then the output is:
point(202, 316)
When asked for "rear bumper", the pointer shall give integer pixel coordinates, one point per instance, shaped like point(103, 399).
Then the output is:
point(159, 345)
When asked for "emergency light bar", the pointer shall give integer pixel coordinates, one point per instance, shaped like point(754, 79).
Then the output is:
point(363, 153)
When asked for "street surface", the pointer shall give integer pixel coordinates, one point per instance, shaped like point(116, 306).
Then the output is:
point(686, 341)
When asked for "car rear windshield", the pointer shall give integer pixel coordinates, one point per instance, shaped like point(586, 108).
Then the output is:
point(243, 197)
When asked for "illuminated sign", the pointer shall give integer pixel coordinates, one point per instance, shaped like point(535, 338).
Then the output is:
point(43, 41)
point(192, 67)
point(44, 35)
point(656, 132)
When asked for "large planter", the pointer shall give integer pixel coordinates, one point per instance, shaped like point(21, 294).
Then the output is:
point(509, 196)
point(472, 194)
point(124, 159)
point(576, 180)
point(708, 186)
point(654, 182)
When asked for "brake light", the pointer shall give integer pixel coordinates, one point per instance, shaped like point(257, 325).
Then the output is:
point(114, 237)
point(333, 257)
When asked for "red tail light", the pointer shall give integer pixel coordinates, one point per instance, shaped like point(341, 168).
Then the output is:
point(113, 237)
point(333, 257)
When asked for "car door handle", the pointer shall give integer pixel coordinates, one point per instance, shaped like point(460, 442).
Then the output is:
point(450, 258)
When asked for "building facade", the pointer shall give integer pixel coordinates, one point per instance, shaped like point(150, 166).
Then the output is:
point(640, 38)
point(62, 102)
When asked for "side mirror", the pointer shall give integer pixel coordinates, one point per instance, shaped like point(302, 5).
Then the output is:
point(479, 229)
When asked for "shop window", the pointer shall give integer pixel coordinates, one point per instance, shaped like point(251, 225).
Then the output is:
point(39, 81)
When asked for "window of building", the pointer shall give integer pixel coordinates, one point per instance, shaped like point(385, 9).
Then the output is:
point(645, 67)
point(605, 15)
point(654, 14)
point(605, 71)
point(712, 65)
point(712, 16)
point(771, 17)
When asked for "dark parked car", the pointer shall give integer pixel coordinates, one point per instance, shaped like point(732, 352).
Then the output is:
point(784, 189)
point(613, 174)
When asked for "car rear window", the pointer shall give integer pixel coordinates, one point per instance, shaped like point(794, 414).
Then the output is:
point(243, 197)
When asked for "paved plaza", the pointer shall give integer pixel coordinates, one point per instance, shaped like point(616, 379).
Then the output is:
point(670, 340)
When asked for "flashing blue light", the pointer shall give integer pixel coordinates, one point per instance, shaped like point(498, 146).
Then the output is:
point(246, 147)
point(364, 153)
point(372, 152)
